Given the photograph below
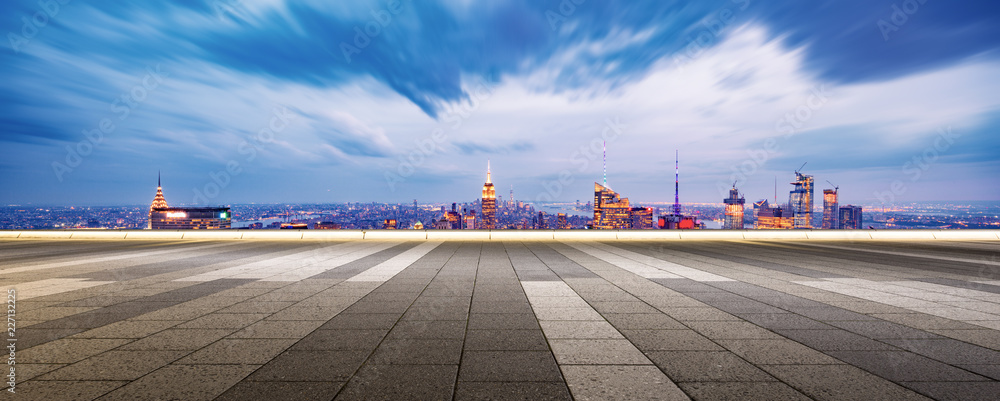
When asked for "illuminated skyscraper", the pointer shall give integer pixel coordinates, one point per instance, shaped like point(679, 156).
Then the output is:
point(734, 210)
point(773, 218)
point(801, 200)
point(642, 218)
point(159, 202)
point(489, 203)
point(831, 211)
point(850, 217)
point(563, 224)
point(163, 217)
point(611, 212)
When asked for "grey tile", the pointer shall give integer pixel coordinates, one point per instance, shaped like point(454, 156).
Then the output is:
point(292, 391)
point(904, 366)
point(950, 351)
point(720, 391)
point(511, 391)
point(670, 340)
point(835, 340)
point(429, 329)
point(312, 365)
point(620, 383)
point(401, 382)
point(505, 340)
point(840, 382)
point(502, 321)
point(340, 340)
point(652, 321)
point(371, 321)
point(201, 382)
point(418, 352)
point(704, 366)
point(509, 366)
point(957, 391)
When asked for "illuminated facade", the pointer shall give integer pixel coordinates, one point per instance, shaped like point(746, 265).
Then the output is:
point(191, 218)
point(563, 223)
point(389, 224)
point(850, 217)
point(489, 203)
point(163, 217)
point(800, 200)
point(831, 211)
point(734, 210)
point(611, 212)
point(773, 218)
point(642, 218)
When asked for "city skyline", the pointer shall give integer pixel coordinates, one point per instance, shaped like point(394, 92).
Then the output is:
point(894, 105)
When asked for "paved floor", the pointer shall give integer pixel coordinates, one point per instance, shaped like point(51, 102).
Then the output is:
point(237, 320)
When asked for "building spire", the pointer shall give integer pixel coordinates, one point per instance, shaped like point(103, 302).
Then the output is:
point(677, 180)
point(158, 179)
point(488, 171)
point(605, 164)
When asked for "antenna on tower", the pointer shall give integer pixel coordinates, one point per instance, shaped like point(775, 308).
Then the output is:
point(775, 190)
point(605, 164)
point(488, 171)
point(158, 178)
point(677, 180)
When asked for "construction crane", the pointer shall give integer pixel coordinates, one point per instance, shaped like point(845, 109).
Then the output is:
point(800, 168)
point(835, 187)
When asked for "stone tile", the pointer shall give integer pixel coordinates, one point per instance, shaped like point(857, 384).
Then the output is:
point(729, 330)
point(904, 366)
point(69, 350)
point(567, 314)
point(990, 371)
point(128, 329)
point(882, 329)
point(277, 329)
point(28, 371)
point(238, 351)
point(620, 383)
point(509, 366)
point(777, 352)
point(983, 338)
point(429, 329)
point(200, 382)
point(950, 351)
point(925, 322)
point(401, 382)
point(418, 352)
point(835, 340)
point(500, 307)
point(670, 340)
point(505, 340)
point(511, 391)
point(786, 321)
point(579, 330)
point(311, 365)
point(291, 391)
point(696, 314)
point(65, 390)
point(178, 339)
point(373, 321)
point(839, 382)
point(299, 312)
point(340, 340)
point(437, 313)
point(113, 365)
point(501, 321)
point(702, 366)
point(718, 391)
point(255, 307)
point(957, 391)
point(597, 352)
point(629, 321)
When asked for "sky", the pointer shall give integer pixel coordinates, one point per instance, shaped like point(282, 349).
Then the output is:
point(273, 101)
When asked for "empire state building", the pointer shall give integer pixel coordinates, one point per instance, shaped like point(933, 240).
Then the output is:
point(489, 203)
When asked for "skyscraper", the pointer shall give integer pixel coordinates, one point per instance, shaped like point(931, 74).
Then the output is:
point(159, 202)
point(734, 210)
point(831, 211)
point(800, 200)
point(850, 217)
point(163, 217)
point(489, 203)
point(611, 212)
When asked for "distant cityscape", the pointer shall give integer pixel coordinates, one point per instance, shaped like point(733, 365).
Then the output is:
point(608, 210)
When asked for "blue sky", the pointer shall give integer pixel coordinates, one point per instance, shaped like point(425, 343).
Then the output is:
point(240, 101)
